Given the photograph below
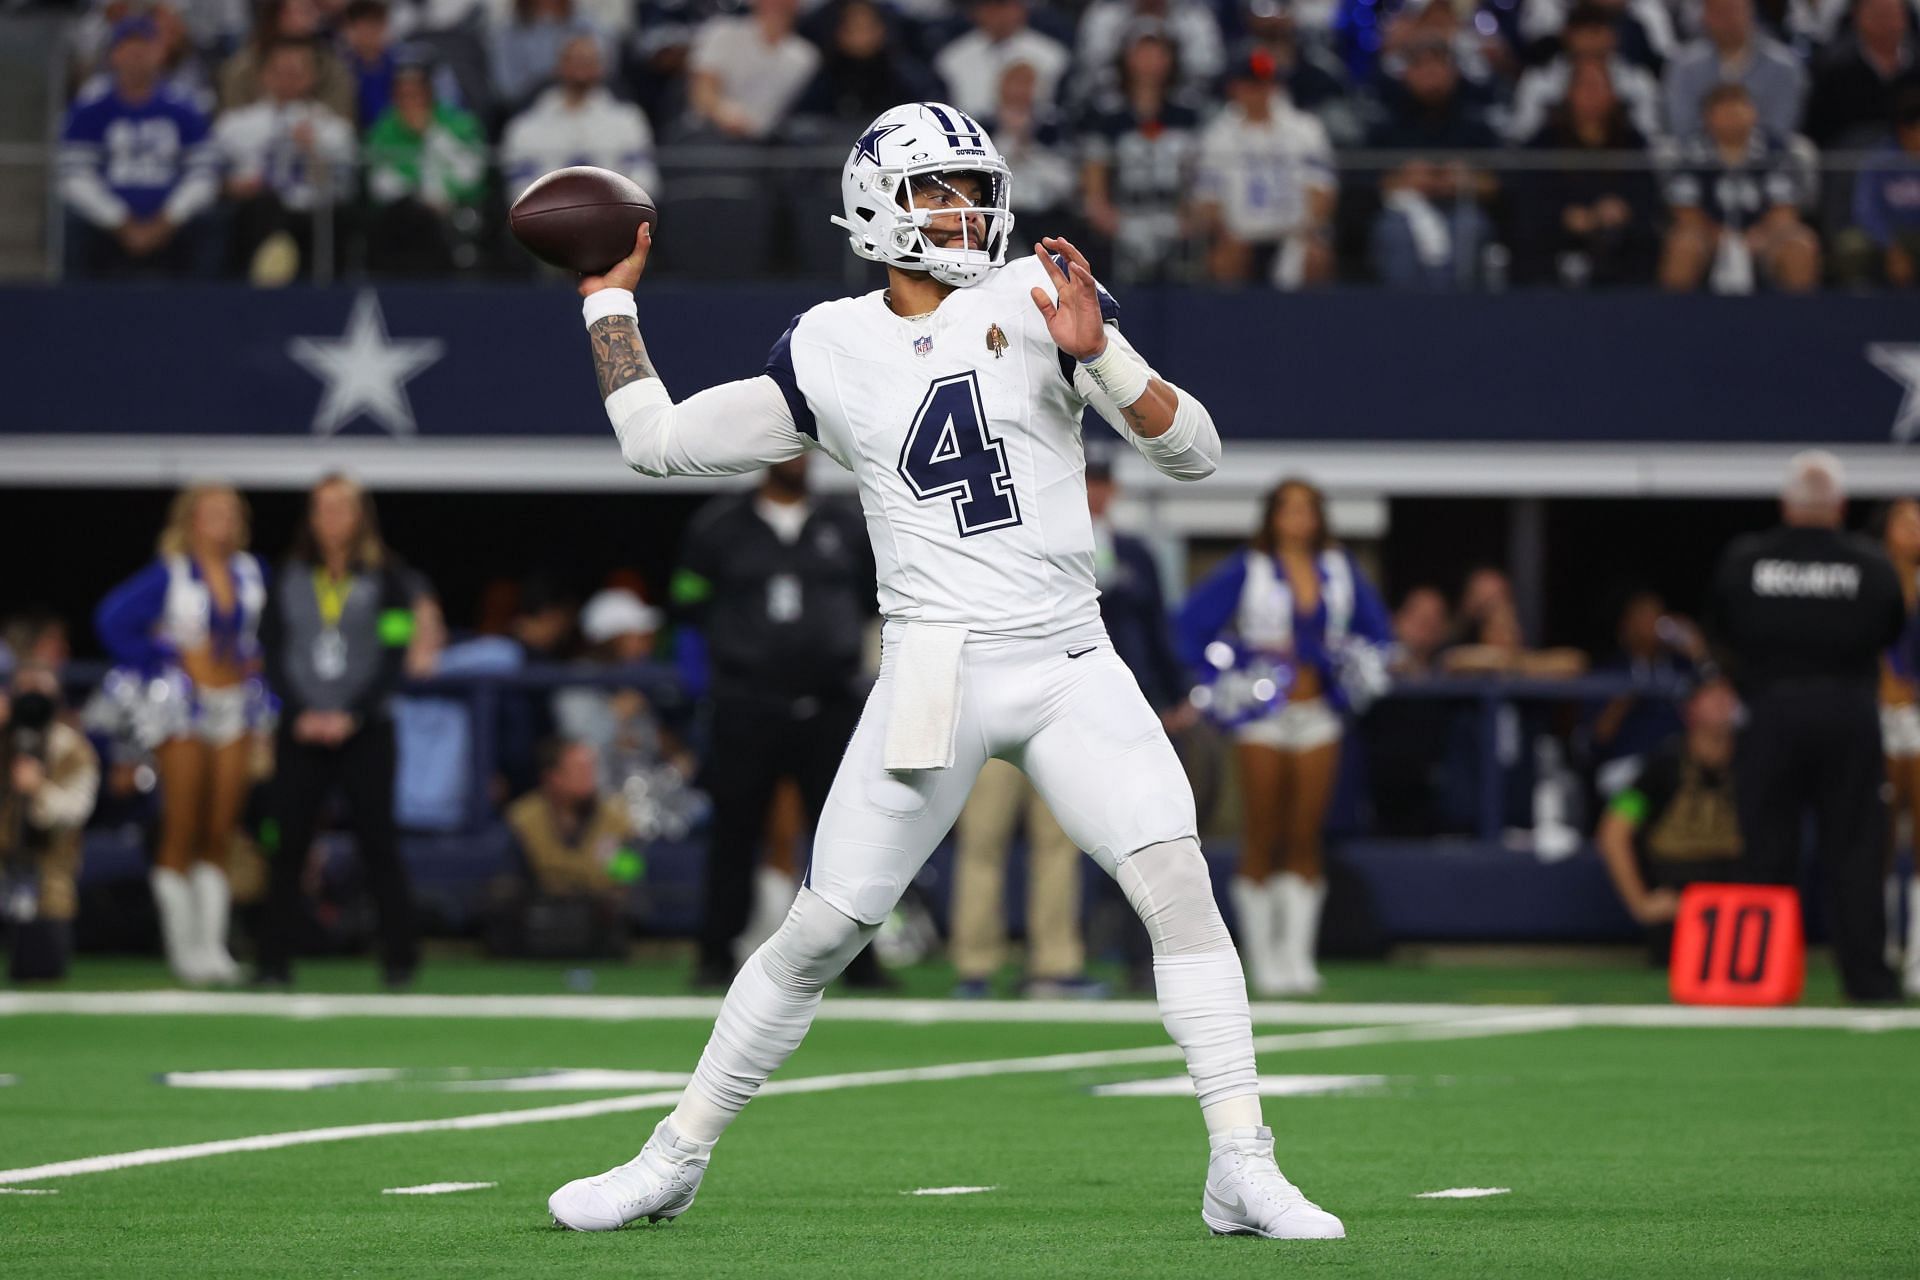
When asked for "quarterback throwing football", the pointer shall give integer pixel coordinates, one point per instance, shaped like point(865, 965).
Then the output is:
point(955, 397)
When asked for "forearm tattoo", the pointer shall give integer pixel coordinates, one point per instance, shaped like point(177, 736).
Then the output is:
point(619, 357)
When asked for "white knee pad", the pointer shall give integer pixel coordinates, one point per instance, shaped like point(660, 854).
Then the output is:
point(1169, 888)
point(813, 944)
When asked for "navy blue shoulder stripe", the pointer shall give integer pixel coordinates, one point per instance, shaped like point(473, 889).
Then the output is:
point(780, 369)
point(1109, 309)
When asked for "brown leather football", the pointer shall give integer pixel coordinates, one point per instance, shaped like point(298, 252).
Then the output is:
point(583, 219)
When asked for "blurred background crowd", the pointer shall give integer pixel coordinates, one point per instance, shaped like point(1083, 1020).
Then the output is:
point(1724, 145)
point(559, 772)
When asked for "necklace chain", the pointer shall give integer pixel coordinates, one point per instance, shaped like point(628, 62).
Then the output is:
point(924, 315)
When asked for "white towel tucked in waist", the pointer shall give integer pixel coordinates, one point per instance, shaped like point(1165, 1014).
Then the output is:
point(926, 697)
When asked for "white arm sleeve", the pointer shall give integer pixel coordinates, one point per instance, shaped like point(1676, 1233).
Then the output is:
point(1187, 450)
point(724, 430)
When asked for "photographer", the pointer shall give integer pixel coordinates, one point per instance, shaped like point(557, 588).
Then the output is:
point(48, 778)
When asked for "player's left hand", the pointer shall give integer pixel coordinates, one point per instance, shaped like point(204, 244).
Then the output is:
point(1075, 320)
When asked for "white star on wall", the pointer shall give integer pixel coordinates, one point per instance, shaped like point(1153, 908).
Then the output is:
point(365, 371)
point(1901, 362)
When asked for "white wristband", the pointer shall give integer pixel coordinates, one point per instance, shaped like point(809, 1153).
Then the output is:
point(1120, 374)
point(608, 302)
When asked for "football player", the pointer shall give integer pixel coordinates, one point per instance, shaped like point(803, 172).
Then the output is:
point(955, 397)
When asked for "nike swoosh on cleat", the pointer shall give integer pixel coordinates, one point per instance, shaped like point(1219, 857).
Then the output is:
point(1235, 1205)
point(1083, 653)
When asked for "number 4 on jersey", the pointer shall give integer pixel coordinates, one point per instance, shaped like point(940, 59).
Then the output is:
point(948, 454)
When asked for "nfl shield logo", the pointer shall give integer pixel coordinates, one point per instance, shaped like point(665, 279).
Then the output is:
point(923, 345)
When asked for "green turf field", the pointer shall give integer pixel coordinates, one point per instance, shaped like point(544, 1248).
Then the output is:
point(1627, 1150)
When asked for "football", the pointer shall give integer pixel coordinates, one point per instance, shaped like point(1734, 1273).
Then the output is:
point(583, 219)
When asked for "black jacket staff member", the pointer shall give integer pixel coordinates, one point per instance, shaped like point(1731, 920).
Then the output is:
point(1802, 614)
point(338, 624)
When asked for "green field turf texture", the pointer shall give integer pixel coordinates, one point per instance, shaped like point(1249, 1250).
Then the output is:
point(1630, 1152)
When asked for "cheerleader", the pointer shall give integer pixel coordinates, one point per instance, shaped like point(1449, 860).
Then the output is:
point(1294, 610)
point(184, 633)
point(1900, 719)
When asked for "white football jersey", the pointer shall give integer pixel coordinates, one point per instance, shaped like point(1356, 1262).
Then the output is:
point(963, 430)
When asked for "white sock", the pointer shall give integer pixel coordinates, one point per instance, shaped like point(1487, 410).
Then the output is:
point(1197, 978)
point(767, 1012)
point(1228, 1114)
point(1913, 933)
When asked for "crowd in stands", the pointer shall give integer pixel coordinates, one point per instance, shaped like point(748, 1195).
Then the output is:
point(1424, 144)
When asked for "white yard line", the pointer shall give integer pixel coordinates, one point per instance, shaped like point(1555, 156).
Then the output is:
point(1464, 1193)
point(947, 1191)
point(704, 1008)
point(437, 1188)
point(1465, 1028)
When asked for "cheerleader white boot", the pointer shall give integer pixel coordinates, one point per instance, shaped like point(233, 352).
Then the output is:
point(173, 900)
point(1913, 936)
point(1254, 919)
point(212, 909)
point(1300, 901)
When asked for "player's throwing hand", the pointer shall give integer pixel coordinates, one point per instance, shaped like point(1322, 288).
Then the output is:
point(625, 273)
point(1075, 322)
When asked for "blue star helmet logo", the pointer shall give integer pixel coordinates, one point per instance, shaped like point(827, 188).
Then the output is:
point(868, 148)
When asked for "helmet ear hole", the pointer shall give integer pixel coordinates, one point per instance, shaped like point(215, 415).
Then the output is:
point(863, 212)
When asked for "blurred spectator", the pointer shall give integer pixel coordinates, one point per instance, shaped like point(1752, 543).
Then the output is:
point(243, 77)
point(336, 633)
point(137, 170)
point(974, 64)
point(49, 777)
point(1732, 50)
point(579, 121)
point(1133, 606)
point(866, 70)
point(366, 47)
point(1654, 646)
point(625, 730)
point(1107, 27)
point(1480, 58)
point(1314, 81)
point(181, 67)
point(613, 18)
point(1855, 90)
point(1138, 145)
point(524, 52)
point(1028, 132)
point(1296, 603)
point(1899, 528)
point(781, 587)
point(1406, 738)
point(1419, 632)
point(1643, 28)
point(426, 173)
point(1431, 231)
point(288, 156)
point(1735, 193)
point(1264, 188)
point(1588, 40)
point(1485, 590)
point(983, 840)
point(1677, 823)
point(1886, 204)
point(570, 832)
point(1589, 225)
point(1497, 645)
point(748, 71)
point(185, 632)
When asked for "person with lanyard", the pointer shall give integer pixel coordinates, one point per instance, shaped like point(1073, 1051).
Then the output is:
point(1899, 527)
point(184, 635)
point(1294, 614)
point(336, 633)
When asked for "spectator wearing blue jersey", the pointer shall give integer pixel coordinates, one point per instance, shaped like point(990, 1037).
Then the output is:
point(366, 47)
point(136, 170)
point(1886, 200)
point(1297, 604)
point(1736, 192)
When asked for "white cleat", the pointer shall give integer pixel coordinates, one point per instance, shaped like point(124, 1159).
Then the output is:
point(657, 1184)
point(1247, 1195)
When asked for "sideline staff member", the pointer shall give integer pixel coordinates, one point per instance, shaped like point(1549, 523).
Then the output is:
point(1803, 613)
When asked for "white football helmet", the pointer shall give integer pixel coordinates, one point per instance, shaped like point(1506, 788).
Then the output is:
point(924, 142)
